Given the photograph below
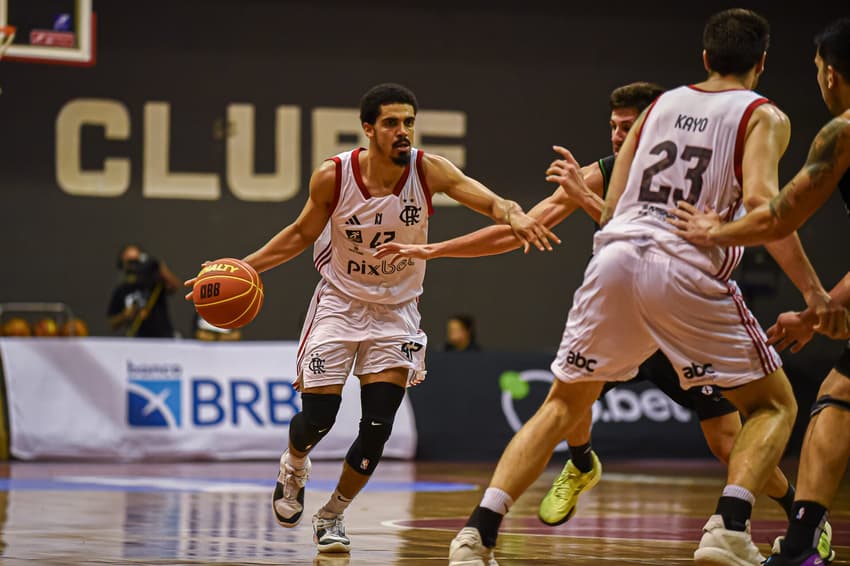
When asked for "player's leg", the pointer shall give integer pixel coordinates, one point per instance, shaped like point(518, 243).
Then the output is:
point(522, 462)
point(580, 473)
point(711, 338)
point(604, 339)
point(392, 349)
point(381, 395)
point(823, 461)
point(324, 362)
point(769, 408)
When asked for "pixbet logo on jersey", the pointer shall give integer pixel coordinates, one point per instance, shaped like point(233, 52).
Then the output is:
point(159, 395)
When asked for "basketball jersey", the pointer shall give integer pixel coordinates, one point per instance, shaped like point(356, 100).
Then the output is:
point(359, 222)
point(689, 148)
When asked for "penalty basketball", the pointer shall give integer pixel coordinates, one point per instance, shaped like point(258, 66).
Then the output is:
point(228, 293)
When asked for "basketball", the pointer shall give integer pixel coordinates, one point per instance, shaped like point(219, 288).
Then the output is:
point(17, 327)
point(45, 327)
point(74, 327)
point(228, 293)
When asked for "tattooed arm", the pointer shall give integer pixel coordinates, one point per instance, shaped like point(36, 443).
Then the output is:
point(828, 160)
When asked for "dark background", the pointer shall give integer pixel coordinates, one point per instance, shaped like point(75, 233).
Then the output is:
point(527, 75)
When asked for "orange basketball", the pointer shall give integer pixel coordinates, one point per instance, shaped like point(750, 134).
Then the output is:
point(17, 327)
point(74, 327)
point(228, 293)
point(45, 327)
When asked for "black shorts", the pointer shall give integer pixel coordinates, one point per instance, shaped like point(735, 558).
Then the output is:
point(706, 401)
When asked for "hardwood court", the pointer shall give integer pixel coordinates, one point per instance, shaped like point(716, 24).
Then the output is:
point(207, 513)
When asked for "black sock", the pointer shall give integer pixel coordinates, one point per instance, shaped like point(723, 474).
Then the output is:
point(735, 512)
point(581, 457)
point(786, 501)
point(804, 528)
point(487, 522)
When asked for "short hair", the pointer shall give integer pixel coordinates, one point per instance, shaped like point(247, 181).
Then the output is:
point(833, 45)
point(385, 93)
point(735, 40)
point(468, 322)
point(634, 95)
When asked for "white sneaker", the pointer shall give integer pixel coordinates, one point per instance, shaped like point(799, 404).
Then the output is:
point(468, 550)
point(329, 534)
point(720, 546)
point(288, 497)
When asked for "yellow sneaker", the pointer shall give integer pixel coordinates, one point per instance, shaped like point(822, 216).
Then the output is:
point(559, 505)
point(825, 543)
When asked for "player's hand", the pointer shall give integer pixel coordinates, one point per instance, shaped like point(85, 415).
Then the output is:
point(694, 225)
point(831, 317)
point(835, 325)
point(417, 251)
point(531, 231)
point(191, 282)
point(567, 173)
point(792, 329)
point(416, 377)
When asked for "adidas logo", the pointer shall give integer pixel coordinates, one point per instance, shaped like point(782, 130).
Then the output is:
point(353, 221)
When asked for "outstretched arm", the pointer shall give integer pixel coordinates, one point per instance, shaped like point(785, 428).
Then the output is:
point(295, 238)
point(828, 161)
point(443, 176)
point(494, 240)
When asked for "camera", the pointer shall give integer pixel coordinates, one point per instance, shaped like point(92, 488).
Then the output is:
point(141, 273)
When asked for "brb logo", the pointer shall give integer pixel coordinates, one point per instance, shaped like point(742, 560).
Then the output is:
point(159, 395)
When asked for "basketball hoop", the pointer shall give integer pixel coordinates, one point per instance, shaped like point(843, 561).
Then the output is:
point(7, 36)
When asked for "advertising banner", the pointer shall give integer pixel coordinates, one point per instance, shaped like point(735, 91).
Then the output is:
point(473, 402)
point(132, 399)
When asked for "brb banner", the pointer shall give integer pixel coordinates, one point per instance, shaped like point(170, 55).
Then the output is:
point(139, 398)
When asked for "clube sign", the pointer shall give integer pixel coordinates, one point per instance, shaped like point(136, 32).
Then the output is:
point(330, 126)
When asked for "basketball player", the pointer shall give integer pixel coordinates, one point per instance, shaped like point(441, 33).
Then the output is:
point(719, 419)
point(718, 143)
point(826, 446)
point(364, 313)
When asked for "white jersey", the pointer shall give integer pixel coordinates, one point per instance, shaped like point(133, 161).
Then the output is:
point(359, 222)
point(690, 148)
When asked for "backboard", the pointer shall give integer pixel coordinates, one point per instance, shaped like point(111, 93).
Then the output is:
point(50, 31)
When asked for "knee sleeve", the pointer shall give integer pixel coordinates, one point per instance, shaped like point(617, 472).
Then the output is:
point(379, 403)
point(829, 401)
point(317, 416)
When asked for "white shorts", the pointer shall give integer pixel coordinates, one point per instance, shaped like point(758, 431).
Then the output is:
point(341, 333)
point(637, 299)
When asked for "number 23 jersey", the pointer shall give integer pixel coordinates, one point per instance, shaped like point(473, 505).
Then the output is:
point(690, 148)
point(360, 222)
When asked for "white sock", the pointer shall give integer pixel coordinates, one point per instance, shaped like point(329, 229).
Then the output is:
point(739, 493)
point(336, 505)
point(496, 500)
point(296, 462)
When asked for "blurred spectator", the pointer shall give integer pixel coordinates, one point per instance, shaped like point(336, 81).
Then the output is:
point(138, 305)
point(460, 334)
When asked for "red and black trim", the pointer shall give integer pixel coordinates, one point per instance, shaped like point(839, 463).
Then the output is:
point(741, 136)
point(420, 172)
point(768, 361)
point(358, 178)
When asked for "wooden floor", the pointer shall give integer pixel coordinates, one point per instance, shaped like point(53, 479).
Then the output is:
point(219, 513)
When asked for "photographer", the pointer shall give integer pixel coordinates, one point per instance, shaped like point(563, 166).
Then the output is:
point(138, 305)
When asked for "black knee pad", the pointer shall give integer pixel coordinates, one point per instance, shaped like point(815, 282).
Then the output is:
point(829, 401)
point(317, 416)
point(379, 403)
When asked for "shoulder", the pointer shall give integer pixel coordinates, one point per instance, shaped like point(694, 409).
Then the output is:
point(770, 114)
point(325, 174)
point(439, 171)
